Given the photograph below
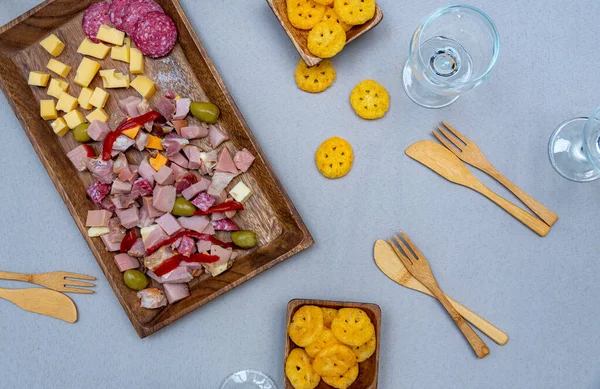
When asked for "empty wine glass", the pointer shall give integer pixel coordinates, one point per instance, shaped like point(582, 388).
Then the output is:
point(574, 148)
point(452, 52)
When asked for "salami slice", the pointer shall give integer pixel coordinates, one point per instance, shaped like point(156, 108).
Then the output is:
point(136, 11)
point(155, 34)
point(93, 18)
point(117, 11)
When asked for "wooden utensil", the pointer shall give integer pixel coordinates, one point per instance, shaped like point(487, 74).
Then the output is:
point(443, 162)
point(299, 37)
point(468, 152)
point(189, 71)
point(43, 301)
point(418, 266)
point(55, 280)
point(389, 263)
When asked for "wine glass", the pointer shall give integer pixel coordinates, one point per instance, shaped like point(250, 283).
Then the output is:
point(574, 148)
point(452, 52)
point(248, 379)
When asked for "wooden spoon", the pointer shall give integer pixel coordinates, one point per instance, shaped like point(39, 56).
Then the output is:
point(443, 162)
point(390, 265)
point(43, 301)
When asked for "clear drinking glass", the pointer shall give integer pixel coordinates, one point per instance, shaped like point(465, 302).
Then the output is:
point(574, 148)
point(452, 52)
point(248, 379)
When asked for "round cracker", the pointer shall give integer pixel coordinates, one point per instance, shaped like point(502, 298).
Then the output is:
point(330, 14)
point(364, 351)
point(304, 14)
point(334, 158)
point(352, 326)
point(343, 381)
point(326, 39)
point(299, 370)
point(355, 12)
point(314, 79)
point(325, 339)
point(334, 360)
point(369, 99)
point(306, 325)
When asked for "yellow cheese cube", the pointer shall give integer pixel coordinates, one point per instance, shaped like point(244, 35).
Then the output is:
point(53, 45)
point(110, 35)
point(99, 98)
point(94, 232)
point(38, 78)
point(154, 143)
point(59, 126)
point(240, 192)
point(127, 42)
point(98, 114)
point(144, 86)
point(132, 132)
point(74, 118)
point(58, 67)
point(158, 161)
point(112, 79)
point(86, 71)
point(66, 102)
point(84, 98)
point(96, 50)
point(57, 87)
point(48, 109)
point(120, 53)
point(136, 61)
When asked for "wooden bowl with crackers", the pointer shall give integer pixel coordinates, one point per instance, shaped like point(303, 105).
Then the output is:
point(299, 37)
point(332, 351)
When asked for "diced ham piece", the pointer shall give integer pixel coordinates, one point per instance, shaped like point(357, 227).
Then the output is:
point(173, 143)
point(179, 124)
point(164, 176)
point(216, 216)
point(107, 205)
point(209, 159)
point(178, 170)
point(116, 230)
point(194, 223)
point(203, 201)
point(222, 264)
point(221, 197)
point(145, 219)
point(225, 162)
point(182, 108)
point(130, 217)
point(79, 156)
point(141, 140)
point(166, 108)
point(120, 187)
point(98, 130)
point(137, 250)
point(192, 153)
point(122, 169)
point(176, 292)
point(179, 275)
point(210, 230)
point(122, 143)
point(163, 197)
point(243, 160)
point(101, 170)
point(185, 181)
point(187, 246)
point(158, 257)
point(152, 236)
point(230, 214)
point(225, 225)
point(97, 191)
point(134, 174)
point(196, 188)
point(110, 246)
point(193, 132)
point(216, 136)
point(126, 262)
point(129, 106)
point(98, 218)
point(146, 171)
point(179, 159)
point(169, 224)
point(219, 182)
point(122, 200)
point(141, 187)
point(152, 298)
point(203, 245)
point(143, 107)
point(152, 212)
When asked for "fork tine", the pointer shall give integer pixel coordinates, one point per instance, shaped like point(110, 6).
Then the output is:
point(445, 143)
point(452, 139)
point(405, 261)
point(412, 245)
point(456, 133)
point(78, 283)
point(77, 275)
point(77, 290)
point(408, 253)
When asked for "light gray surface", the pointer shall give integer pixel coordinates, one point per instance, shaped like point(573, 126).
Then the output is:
point(542, 291)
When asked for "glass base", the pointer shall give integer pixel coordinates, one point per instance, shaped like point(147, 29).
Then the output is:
point(421, 95)
point(248, 379)
point(566, 152)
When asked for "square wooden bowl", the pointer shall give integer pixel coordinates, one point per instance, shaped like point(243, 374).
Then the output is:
point(298, 37)
point(368, 370)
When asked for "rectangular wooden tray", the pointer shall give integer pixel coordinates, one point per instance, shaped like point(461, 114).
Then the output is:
point(188, 71)
point(368, 372)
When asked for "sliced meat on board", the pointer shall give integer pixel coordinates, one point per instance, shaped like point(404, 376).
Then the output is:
point(137, 10)
point(94, 17)
point(155, 34)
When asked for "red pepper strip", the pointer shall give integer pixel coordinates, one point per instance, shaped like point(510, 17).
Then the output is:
point(90, 153)
point(126, 125)
point(225, 206)
point(189, 233)
point(172, 263)
point(128, 241)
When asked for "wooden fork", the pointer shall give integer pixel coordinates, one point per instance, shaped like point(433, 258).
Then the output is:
point(418, 266)
point(56, 280)
point(470, 153)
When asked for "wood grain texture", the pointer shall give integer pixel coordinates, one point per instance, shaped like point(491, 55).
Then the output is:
point(299, 37)
point(368, 372)
point(188, 71)
point(388, 262)
point(443, 162)
point(43, 301)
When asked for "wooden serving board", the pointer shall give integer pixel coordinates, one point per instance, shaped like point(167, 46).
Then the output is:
point(189, 72)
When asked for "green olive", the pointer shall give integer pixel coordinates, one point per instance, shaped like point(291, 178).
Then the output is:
point(244, 239)
point(135, 279)
point(80, 133)
point(183, 207)
point(206, 112)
